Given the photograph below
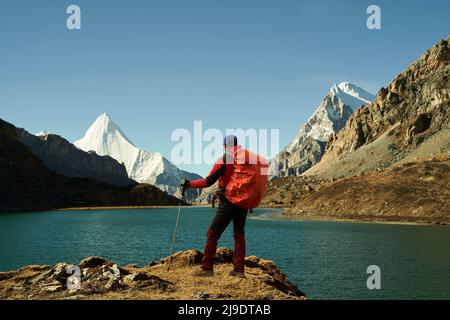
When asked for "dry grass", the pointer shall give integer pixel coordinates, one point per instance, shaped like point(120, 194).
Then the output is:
point(410, 192)
point(154, 282)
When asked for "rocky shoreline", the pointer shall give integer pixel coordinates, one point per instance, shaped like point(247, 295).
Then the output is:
point(105, 280)
point(302, 216)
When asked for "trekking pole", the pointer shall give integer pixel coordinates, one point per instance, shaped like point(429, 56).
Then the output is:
point(183, 189)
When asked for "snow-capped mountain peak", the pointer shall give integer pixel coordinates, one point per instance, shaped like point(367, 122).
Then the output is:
point(351, 95)
point(308, 145)
point(106, 138)
point(104, 125)
point(332, 113)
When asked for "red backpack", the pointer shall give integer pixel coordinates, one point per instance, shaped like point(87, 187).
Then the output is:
point(247, 184)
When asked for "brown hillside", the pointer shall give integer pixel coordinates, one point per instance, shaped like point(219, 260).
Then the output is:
point(408, 192)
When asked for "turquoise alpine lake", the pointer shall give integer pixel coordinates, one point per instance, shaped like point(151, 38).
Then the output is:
point(327, 260)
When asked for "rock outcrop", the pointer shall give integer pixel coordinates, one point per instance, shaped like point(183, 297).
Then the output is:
point(102, 279)
point(28, 185)
point(61, 156)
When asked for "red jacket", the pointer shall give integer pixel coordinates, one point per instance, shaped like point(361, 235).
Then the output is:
point(222, 170)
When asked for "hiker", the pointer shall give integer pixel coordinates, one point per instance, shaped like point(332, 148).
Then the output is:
point(236, 194)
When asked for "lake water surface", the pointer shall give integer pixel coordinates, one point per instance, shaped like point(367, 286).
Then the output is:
point(327, 260)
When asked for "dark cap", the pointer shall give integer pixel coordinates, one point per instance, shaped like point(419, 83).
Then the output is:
point(230, 141)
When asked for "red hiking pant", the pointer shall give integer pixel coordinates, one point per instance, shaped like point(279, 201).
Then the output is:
point(226, 212)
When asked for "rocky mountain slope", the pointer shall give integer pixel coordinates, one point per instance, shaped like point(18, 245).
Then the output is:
point(411, 192)
point(28, 185)
point(61, 156)
point(106, 138)
point(307, 148)
point(102, 279)
point(391, 161)
point(206, 195)
point(286, 192)
point(408, 119)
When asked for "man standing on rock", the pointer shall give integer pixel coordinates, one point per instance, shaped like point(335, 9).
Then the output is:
point(242, 177)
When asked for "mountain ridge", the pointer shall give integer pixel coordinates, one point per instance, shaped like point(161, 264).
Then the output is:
point(391, 161)
point(28, 185)
point(404, 116)
point(308, 146)
point(106, 138)
point(60, 156)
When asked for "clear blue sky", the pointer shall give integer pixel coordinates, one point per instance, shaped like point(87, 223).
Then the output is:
point(155, 66)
